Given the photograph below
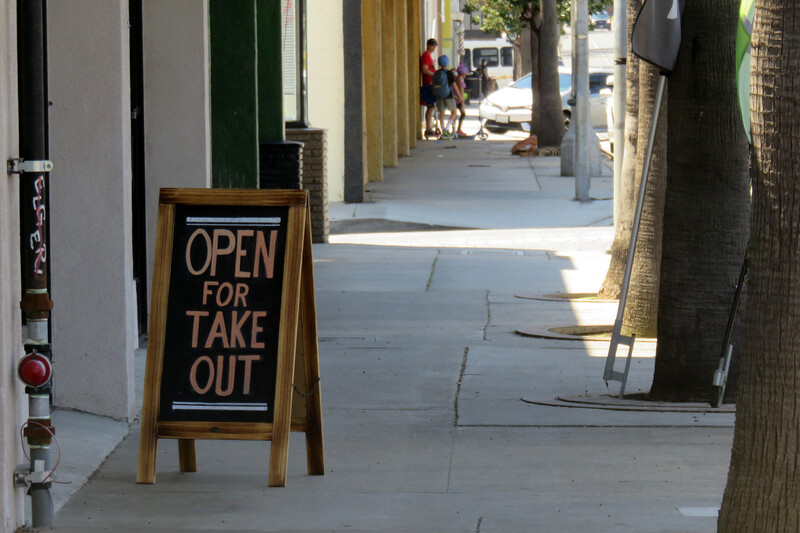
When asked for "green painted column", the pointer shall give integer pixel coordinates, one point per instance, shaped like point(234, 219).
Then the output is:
point(270, 74)
point(234, 100)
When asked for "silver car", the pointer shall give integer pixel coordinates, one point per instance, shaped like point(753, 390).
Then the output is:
point(511, 107)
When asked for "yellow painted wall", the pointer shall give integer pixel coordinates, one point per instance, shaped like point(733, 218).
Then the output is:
point(401, 60)
point(389, 60)
point(326, 81)
point(373, 93)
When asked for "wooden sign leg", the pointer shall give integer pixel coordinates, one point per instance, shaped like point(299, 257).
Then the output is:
point(148, 445)
point(315, 450)
point(187, 456)
point(148, 441)
point(290, 307)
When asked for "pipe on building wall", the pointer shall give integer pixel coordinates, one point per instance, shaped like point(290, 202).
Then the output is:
point(36, 303)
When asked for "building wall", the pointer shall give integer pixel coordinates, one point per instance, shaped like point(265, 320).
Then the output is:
point(11, 392)
point(176, 109)
point(325, 41)
point(94, 318)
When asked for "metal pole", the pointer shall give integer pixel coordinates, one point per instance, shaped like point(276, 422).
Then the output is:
point(580, 75)
point(620, 80)
point(36, 302)
point(721, 376)
point(626, 280)
point(39, 441)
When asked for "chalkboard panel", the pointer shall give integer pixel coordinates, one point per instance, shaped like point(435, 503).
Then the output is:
point(221, 339)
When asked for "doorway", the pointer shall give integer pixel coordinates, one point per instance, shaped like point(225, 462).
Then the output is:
point(139, 226)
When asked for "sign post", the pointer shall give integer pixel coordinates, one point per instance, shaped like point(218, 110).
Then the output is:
point(233, 333)
point(656, 39)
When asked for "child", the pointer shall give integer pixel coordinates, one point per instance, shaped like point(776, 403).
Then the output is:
point(461, 73)
point(443, 86)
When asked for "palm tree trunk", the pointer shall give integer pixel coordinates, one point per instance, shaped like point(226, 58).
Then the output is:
point(552, 119)
point(641, 312)
point(706, 214)
point(610, 288)
point(763, 491)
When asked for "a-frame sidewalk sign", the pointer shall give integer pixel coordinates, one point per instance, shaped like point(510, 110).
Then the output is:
point(232, 348)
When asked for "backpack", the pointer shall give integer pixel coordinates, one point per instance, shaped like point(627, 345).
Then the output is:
point(441, 87)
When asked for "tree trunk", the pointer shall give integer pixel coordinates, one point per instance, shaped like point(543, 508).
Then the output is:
point(763, 491)
point(547, 120)
point(523, 59)
point(610, 288)
point(551, 128)
point(641, 311)
point(706, 214)
point(536, 111)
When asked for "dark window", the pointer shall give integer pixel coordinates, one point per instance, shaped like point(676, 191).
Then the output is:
point(294, 67)
point(491, 55)
point(597, 82)
point(507, 59)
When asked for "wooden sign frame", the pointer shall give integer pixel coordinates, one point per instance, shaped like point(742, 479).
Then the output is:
point(297, 357)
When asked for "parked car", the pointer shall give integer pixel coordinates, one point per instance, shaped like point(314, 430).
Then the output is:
point(511, 107)
point(600, 20)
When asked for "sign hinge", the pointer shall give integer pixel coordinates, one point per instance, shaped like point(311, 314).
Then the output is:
point(20, 166)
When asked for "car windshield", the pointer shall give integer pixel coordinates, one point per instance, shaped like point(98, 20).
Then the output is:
point(564, 82)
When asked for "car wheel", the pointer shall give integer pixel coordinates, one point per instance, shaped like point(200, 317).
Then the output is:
point(567, 118)
point(495, 129)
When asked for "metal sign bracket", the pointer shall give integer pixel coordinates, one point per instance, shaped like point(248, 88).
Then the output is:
point(21, 166)
point(612, 375)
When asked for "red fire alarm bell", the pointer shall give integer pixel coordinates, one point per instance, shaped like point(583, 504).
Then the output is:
point(35, 370)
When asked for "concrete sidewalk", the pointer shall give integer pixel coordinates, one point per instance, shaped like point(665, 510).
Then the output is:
point(423, 380)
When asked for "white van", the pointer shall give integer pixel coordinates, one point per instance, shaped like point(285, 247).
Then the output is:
point(499, 56)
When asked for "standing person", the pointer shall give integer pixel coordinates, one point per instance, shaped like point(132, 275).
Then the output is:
point(458, 91)
point(443, 82)
point(426, 97)
point(484, 70)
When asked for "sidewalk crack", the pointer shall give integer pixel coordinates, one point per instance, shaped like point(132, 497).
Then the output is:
point(433, 269)
point(538, 183)
point(455, 417)
point(458, 385)
point(488, 315)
